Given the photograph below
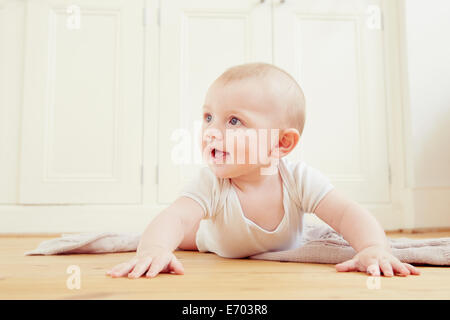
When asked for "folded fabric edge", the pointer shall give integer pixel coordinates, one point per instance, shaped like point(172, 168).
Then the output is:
point(62, 248)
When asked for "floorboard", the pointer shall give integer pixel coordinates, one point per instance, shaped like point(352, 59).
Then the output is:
point(207, 276)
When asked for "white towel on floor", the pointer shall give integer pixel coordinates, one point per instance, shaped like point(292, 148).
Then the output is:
point(321, 244)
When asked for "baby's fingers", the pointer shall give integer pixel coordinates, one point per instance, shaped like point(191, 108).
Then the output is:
point(349, 265)
point(386, 267)
point(405, 269)
point(158, 264)
point(400, 268)
point(140, 268)
point(374, 268)
point(176, 266)
point(122, 269)
point(413, 270)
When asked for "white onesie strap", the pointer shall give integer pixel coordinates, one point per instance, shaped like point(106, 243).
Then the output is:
point(291, 186)
point(221, 193)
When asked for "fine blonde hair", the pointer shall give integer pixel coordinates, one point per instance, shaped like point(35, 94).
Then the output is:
point(293, 96)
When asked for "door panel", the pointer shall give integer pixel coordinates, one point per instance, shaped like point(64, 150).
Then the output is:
point(335, 51)
point(83, 103)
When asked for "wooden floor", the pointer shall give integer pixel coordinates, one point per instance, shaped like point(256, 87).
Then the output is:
point(207, 277)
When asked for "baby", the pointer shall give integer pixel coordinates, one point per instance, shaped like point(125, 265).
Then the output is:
point(250, 198)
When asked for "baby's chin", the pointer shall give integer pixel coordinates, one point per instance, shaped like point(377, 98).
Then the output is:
point(223, 171)
point(230, 171)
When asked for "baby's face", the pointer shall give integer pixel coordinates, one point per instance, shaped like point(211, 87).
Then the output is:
point(239, 119)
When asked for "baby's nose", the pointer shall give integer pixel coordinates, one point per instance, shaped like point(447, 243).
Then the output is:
point(212, 134)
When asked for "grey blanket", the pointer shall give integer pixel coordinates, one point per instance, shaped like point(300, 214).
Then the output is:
point(321, 244)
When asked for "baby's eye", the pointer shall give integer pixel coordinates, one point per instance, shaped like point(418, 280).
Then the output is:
point(235, 121)
point(208, 117)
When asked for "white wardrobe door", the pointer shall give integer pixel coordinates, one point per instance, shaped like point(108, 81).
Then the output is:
point(11, 73)
point(81, 130)
point(335, 50)
point(199, 40)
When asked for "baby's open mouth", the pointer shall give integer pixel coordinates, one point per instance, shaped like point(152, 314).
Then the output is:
point(217, 154)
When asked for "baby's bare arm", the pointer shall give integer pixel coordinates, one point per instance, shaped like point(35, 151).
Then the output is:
point(170, 227)
point(364, 234)
point(354, 222)
point(161, 237)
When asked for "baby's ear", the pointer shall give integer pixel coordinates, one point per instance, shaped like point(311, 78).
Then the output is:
point(287, 141)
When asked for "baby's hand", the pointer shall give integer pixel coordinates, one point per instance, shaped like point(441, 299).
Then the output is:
point(151, 262)
point(377, 259)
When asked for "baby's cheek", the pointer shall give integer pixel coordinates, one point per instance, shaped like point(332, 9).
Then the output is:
point(252, 151)
point(200, 140)
point(246, 150)
point(264, 147)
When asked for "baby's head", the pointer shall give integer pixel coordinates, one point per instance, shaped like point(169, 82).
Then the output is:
point(255, 114)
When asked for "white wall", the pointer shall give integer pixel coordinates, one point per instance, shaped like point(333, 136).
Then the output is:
point(427, 116)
